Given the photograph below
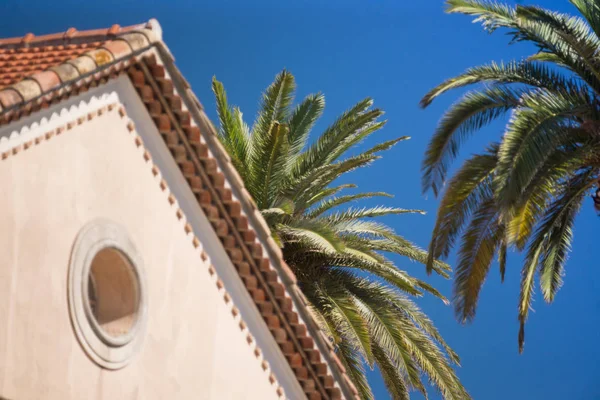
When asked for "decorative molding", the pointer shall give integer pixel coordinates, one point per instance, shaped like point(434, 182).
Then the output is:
point(55, 123)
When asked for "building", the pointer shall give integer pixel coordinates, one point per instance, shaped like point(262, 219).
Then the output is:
point(135, 264)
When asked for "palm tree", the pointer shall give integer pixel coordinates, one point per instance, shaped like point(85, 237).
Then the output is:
point(360, 298)
point(526, 189)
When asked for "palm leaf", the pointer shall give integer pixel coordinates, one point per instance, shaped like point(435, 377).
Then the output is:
point(474, 111)
point(233, 132)
point(328, 204)
point(302, 120)
point(479, 244)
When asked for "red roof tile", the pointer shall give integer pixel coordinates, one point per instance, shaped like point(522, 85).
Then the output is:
point(21, 57)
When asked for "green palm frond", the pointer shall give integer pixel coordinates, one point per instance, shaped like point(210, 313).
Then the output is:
point(316, 235)
point(386, 145)
point(563, 34)
point(274, 107)
point(359, 227)
point(379, 211)
point(590, 10)
point(352, 127)
point(492, 15)
point(470, 185)
point(398, 245)
point(532, 131)
point(474, 111)
point(502, 258)
point(518, 72)
point(527, 283)
point(525, 24)
point(525, 192)
point(328, 192)
point(302, 120)
point(343, 312)
point(355, 369)
point(393, 380)
point(429, 358)
point(547, 58)
point(234, 133)
point(576, 152)
point(386, 332)
point(328, 204)
point(273, 162)
point(310, 185)
point(339, 253)
point(479, 244)
point(385, 270)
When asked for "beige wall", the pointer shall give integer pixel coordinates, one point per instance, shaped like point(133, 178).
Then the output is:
point(193, 346)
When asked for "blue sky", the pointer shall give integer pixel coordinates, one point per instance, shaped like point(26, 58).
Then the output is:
point(393, 52)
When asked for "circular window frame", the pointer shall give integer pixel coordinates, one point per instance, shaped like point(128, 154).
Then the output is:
point(110, 352)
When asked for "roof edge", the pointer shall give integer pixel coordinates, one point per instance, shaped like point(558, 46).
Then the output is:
point(131, 42)
point(258, 223)
point(73, 36)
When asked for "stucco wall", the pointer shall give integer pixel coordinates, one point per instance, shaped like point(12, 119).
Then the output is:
point(193, 346)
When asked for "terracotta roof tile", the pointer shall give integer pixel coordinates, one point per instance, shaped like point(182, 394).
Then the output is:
point(24, 56)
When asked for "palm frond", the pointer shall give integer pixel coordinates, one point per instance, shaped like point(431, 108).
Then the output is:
point(379, 211)
point(502, 258)
point(386, 145)
point(275, 104)
point(590, 10)
point(550, 244)
point(479, 244)
point(269, 144)
point(302, 120)
point(531, 132)
point(550, 32)
point(305, 188)
point(423, 350)
point(349, 129)
point(393, 380)
point(526, 191)
point(341, 308)
point(233, 132)
point(471, 184)
point(328, 204)
point(492, 15)
point(398, 245)
point(385, 329)
point(474, 111)
point(558, 227)
point(316, 235)
point(355, 370)
point(527, 282)
point(518, 72)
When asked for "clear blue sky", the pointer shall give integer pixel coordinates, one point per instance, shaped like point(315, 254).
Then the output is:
point(393, 52)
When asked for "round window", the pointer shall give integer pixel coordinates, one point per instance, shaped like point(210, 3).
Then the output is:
point(106, 294)
point(113, 294)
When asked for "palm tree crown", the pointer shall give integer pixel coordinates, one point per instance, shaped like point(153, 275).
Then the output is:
point(360, 298)
point(526, 189)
